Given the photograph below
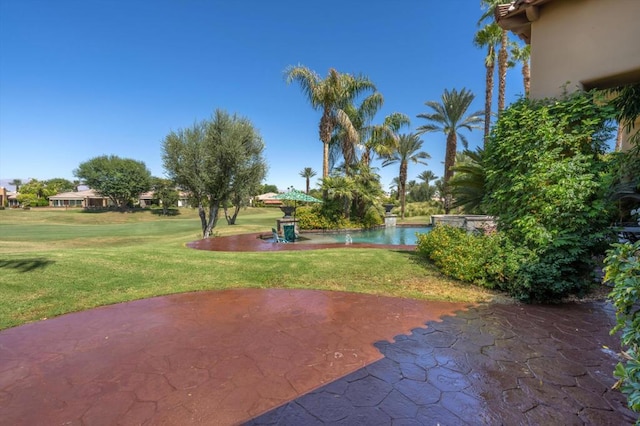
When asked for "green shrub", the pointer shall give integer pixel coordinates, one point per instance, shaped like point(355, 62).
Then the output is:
point(622, 269)
point(372, 218)
point(546, 179)
point(426, 208)
point(487, 260)
point(310, 218)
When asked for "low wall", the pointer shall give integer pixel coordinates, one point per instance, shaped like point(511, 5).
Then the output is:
point(468, 222)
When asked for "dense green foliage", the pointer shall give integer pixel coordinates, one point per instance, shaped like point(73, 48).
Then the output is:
point(622, 269)
point(37, 192)
point(546, 178)
point(488, 260)
point(122, 180)
point(219, 161)
point(545, 182)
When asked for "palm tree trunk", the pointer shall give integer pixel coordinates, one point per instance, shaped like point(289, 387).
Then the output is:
point(488, 97)
point(450, 157)
point(502, 70)
point(526, 77)
point(307, 185)
point(619, 137)
point(402, 187)
point(325, 159)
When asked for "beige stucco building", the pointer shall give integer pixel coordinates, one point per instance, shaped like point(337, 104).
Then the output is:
point(577, 44)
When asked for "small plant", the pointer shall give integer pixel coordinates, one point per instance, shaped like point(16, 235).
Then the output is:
point(622, 269)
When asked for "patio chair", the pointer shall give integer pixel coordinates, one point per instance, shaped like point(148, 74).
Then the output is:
point(289, 232)
point(277, 238)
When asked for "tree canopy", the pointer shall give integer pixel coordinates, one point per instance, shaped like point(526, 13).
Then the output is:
point(120, 179)
point(218, 161)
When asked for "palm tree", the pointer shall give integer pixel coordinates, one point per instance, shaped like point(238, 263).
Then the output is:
point(408, 150)
point(330, 95)
point(383, 137)
point(307, 173)
point(467, 185)
point(342, 144)
point(340, 188)
point(449, 117)
point(522, 54)
point(503, 55)
point(427, 176)
point(17, 183)
point(488, 36)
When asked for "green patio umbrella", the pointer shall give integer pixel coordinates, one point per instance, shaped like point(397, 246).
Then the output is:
point(295, 196)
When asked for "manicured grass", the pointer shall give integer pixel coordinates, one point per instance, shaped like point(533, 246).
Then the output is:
point(54, 261)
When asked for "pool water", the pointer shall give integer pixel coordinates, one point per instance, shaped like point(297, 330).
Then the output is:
point(397, 235)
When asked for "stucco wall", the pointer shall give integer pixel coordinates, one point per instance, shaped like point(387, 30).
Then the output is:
point(584, 41)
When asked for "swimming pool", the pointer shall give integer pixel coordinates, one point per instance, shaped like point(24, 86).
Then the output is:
point(397, 235)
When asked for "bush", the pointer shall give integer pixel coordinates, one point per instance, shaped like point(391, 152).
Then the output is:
point(426, 208)
point(622, 269)
point(546, 179)
point(487, 260)
point(372, 218)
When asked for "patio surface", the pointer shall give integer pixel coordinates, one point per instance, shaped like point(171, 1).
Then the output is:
point(304, 357)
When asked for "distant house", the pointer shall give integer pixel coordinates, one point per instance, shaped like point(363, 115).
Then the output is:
point(8, 198)
point(577, 44)
point(146, 199)
point(268, 199)
point(87, 199)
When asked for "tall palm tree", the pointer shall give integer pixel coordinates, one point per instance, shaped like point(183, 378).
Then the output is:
point(488, 36)
point(330, 95)
point(409, 149)
point(522, 54)
point(17, 183)
point(503, 54)
point(307, 173)
point(449, 117)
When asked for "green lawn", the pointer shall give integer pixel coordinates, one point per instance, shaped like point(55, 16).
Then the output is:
point(56, 261)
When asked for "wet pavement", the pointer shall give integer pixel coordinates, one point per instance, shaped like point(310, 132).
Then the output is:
point(301, 357)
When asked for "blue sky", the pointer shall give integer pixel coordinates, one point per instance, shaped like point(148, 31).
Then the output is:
point(82, 78)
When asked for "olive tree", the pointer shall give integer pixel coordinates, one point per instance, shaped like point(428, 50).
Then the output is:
point(122, 180)
point(215, 160)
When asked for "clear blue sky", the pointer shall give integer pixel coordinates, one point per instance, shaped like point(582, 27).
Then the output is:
point(83, 78)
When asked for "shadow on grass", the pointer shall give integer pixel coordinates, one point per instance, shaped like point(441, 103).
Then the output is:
point(170, 212)
point(155, 211)
point(25, 265)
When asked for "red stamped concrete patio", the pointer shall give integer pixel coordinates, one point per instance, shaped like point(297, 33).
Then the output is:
point(300, 357)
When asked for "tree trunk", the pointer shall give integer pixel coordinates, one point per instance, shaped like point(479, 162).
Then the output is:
point(526, 77)
point(450, 157)
point(214, 208)
point(325, 159)
point(402, 187)
point(488, 98)
point(307, 185)
point(503, 57)
point(326, 129)
point(203, 219)
point(619, 137)
point(231, 220)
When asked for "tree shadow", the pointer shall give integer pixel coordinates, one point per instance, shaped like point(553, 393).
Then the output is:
point(25, 265)
point(170, 212)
